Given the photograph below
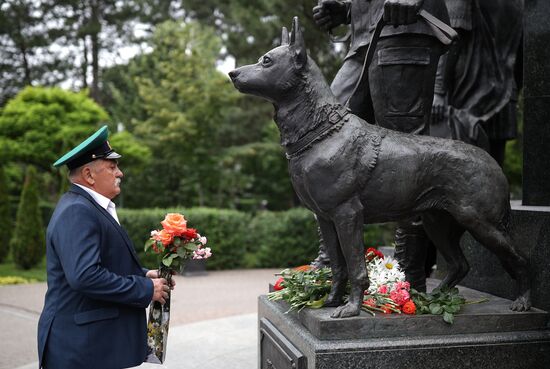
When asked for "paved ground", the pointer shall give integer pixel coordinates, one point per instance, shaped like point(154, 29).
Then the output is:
point(213, 321)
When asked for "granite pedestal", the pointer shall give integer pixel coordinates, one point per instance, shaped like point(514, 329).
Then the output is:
point(486, 335)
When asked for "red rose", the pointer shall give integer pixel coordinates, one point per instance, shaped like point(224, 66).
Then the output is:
point(279, 284)
point(190, 233)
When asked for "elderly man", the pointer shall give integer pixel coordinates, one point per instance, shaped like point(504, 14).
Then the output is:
point(396, 90)
point(94, 310)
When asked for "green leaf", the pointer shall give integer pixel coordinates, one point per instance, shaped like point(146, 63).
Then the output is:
point(177, 241)
point(435, 309)
point(448, 317)
point(452, 309)
point(168, 259)
point(182, 253)
point(149, 243)
point(191, 247)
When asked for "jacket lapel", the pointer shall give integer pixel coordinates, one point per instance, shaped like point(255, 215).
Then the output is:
point(122, 231)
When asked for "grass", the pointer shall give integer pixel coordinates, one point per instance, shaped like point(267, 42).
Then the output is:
point(9, 269)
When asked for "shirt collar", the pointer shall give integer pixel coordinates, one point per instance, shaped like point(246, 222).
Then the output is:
point(99, 198)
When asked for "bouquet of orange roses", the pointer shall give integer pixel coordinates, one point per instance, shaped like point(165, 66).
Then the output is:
point(173, 244)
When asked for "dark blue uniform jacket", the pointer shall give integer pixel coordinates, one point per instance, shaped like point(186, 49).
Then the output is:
point(94, 310)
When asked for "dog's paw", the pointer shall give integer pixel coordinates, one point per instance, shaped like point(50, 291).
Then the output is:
point(332, 301)
point(521, 304)
point(346, 311)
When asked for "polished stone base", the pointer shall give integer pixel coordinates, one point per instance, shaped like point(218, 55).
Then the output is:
point(486, 335)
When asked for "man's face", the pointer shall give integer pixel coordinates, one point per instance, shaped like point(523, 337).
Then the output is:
point(107, 177)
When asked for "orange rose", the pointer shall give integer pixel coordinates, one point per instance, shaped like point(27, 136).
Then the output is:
point(175, 224)
point(409, 307)
point(165, 237)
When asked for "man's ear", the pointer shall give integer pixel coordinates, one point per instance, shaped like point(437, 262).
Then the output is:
point(87, 175)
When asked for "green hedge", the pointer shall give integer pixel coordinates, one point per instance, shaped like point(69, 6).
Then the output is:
point(225, 230)
point(283, 239)
point(243, 240)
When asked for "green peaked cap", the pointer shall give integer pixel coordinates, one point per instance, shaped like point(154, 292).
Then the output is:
point(94, 147)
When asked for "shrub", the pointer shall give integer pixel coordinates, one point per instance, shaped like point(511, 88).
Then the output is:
point(28, 242)
point(225, 229)
point(242, 240)
point(283, 239)
point(5, 218)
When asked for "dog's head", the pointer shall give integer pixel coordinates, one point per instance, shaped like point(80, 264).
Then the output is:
point(278, 72)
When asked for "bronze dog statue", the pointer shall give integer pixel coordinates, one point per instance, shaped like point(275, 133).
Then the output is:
point(350, 173)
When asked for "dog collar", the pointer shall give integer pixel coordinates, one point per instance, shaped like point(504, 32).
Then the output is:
point(336, 119)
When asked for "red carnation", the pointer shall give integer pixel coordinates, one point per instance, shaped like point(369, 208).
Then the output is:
point(373, 253)
point(279, 284)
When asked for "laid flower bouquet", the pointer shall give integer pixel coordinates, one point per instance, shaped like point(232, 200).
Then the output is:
point(173, 244)
point(388, 291)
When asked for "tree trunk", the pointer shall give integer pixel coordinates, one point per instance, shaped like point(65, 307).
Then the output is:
point(85, 63)
point(94, 93)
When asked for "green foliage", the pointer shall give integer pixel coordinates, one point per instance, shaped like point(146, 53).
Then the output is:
point(226, 231)
point(253, 28)
point(28, 241)
point(446, 302)
point(37, 273)
point(256, 176)
point(180, 102)
point(40, 124)
point(6, 223)
point(284, 239)
point(26, 32)
point(304, 288)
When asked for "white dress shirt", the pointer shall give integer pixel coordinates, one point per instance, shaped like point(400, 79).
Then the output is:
point(103, 201)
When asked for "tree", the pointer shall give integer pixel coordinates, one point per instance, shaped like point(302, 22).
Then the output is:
point(251, 28)
point(181, 105)
point(41, 124)
point(26, 32)
point(28, 241)
point(5, 218)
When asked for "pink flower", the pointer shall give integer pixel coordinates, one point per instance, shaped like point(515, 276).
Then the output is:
point(383, 289)
point(202, 253)
point(400, 297)
point(402, 286)
point(202, 240)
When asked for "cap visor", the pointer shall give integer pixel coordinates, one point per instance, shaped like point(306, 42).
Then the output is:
point(113, 155)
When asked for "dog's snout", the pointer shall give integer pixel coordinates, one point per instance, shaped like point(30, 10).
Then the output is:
point(233, 74)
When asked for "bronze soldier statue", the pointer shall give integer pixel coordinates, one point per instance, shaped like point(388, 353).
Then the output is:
point(395, 91)
point(478, 79)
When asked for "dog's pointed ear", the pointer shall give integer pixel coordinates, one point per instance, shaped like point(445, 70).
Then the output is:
point(284, 37)
point(297, 43)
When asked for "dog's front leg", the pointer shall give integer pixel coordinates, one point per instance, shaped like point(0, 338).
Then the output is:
point(337, 263)
point(348, 221)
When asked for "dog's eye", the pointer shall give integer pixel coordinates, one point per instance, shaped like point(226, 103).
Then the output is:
point(266, 60)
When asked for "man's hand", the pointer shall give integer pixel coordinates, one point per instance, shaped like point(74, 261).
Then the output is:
point(154, 273)
point(438, 108)
point(160, 290)
point(400, 12)
point(330, 14)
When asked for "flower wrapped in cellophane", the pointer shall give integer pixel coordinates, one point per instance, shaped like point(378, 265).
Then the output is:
point(173, 244)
